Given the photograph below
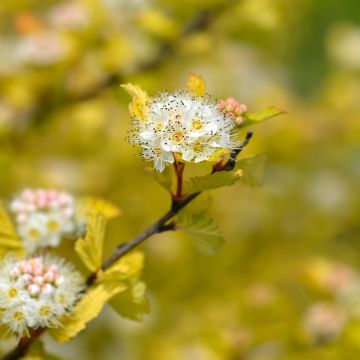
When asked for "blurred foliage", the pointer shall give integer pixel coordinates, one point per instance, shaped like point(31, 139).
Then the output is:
point(285, 284)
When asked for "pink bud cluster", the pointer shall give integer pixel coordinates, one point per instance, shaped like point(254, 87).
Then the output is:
point(37, 278)
point(31, 201)
point(233, 109)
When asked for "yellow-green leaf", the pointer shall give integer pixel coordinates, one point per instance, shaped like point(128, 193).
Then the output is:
point(203, 230)
point(252, 168)
point(85, 310)
point(196, 84)
point(128, 267)
point(140, 98)
point(266, 114)
point(9, 239)
point(90, 248)
point(101, 206)
point(212, 181)
point(132, 303)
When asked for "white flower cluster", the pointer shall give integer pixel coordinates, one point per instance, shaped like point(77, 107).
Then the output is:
point(193, 127)
point(36, 292)
point(43, 217)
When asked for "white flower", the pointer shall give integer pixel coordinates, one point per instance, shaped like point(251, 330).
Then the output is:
point(43, 217)
point(193, 127)
point(36, 292)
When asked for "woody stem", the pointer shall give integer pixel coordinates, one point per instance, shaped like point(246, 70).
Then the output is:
point(179, 170)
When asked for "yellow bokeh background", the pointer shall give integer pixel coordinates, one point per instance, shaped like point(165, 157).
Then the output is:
point(274, 292)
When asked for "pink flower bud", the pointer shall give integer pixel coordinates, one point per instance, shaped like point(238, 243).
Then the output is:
point(47, 289)
point(68, 212)
point(52, 194)
point(239, 120)
point(28, 195)
point(228, 107)
point(28, 269)
point(21, 218)
point(38, 270)
point(42, 202)
point(26, 279)
point(241, 108)
point(49, 276)
point(34, 290)
point(14, 272)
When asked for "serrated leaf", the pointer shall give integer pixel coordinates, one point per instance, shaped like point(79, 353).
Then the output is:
point(200, 204)
point(203, 230)
point(101, 206)
point(212, 181)
point(9, 239)
point(253, 169)
point(132, 303)
point(128, 267)
point(85, 310)
point(266, 114)
point(137, 107)
point(164, 178)
point(90, 248)
point(196, 84)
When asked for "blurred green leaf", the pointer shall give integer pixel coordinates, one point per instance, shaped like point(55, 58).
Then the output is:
point(266, 114)
point(212, 181)
point(252, 169)
point(9, 238)
point(132, 303)
point(203, 230)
